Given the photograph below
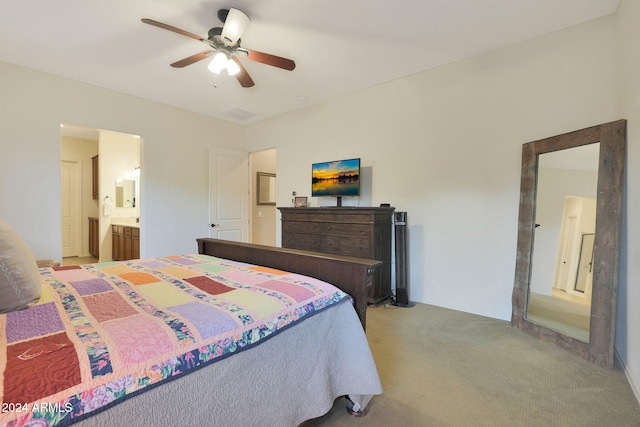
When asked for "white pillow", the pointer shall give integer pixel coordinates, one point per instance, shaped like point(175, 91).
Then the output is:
point(19, 276)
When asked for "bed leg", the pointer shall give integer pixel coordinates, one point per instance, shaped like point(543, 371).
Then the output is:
point(355, 410)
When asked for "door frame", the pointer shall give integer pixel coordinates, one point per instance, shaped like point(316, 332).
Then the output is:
point(75, 247)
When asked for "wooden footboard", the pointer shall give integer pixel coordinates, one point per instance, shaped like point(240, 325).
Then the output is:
point(352, 275)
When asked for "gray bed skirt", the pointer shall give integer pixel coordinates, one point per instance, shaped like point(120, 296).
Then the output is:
point(288, 379)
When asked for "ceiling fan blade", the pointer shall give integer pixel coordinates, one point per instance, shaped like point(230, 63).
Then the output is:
point(191, 59)
point(273, 60)
point(171, 28)
point(243, 77)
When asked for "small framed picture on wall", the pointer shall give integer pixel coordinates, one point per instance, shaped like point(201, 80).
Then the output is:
point(300, 202)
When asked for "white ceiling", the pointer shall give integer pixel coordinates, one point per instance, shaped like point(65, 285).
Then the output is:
point(339, 46)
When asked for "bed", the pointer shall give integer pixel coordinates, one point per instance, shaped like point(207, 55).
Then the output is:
point(133, 340)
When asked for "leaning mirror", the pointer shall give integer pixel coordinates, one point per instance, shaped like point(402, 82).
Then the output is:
point(566, 278)
point(266, 186)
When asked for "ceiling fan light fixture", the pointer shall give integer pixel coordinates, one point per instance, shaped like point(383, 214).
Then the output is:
point(218, 63)
point(235, 24)
point(232, 67)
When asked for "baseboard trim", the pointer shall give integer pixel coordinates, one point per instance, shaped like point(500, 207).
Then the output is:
point(634, 387)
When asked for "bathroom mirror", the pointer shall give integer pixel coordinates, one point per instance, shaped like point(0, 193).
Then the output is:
point(125, 193)
point(599, 264)
point(266, 188)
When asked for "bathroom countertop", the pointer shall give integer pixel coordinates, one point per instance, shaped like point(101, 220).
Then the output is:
point(125, 223)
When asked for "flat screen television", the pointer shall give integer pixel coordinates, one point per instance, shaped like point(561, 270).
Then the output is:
point(336, 179)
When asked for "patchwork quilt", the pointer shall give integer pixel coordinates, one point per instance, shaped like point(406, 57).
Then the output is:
point(104, 332)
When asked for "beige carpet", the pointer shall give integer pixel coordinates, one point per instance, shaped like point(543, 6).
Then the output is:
point(442, 367)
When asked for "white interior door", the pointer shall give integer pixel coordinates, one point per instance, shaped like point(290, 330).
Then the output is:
point(585, 265)
point(70, 196)
point(567, 253)
point(229, 194)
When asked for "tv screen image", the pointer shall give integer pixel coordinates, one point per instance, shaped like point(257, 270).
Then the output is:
point(338, 178)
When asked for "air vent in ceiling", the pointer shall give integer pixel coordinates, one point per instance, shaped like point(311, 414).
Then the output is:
point(236, 113)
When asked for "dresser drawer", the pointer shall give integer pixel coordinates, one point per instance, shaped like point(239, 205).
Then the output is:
point(351, 246)
point(305, 242)
point(356, 217)
point(302, 227)
point(301, 216)
point(356, 230)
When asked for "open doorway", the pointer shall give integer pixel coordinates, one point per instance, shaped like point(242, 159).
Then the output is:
point(263, 211)
point(94, 163)
point(78, 146)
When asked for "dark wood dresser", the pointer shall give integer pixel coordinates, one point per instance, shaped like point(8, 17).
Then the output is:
point(351, 231)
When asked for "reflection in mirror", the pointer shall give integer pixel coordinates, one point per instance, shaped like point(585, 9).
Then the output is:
point(266, 188)
point(125, 193)
point(568, 265)
point(565, 222)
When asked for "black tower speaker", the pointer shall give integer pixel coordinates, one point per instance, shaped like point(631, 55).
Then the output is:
point(402, 261)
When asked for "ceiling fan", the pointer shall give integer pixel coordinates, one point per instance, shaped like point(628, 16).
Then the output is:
point(224, 47)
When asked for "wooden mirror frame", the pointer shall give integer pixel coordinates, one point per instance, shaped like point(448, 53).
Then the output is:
point(612, 139)
point(261, 198)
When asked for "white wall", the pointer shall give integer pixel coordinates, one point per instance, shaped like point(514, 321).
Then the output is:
point(628, 319)
point(445, 146)
point(174, 158)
